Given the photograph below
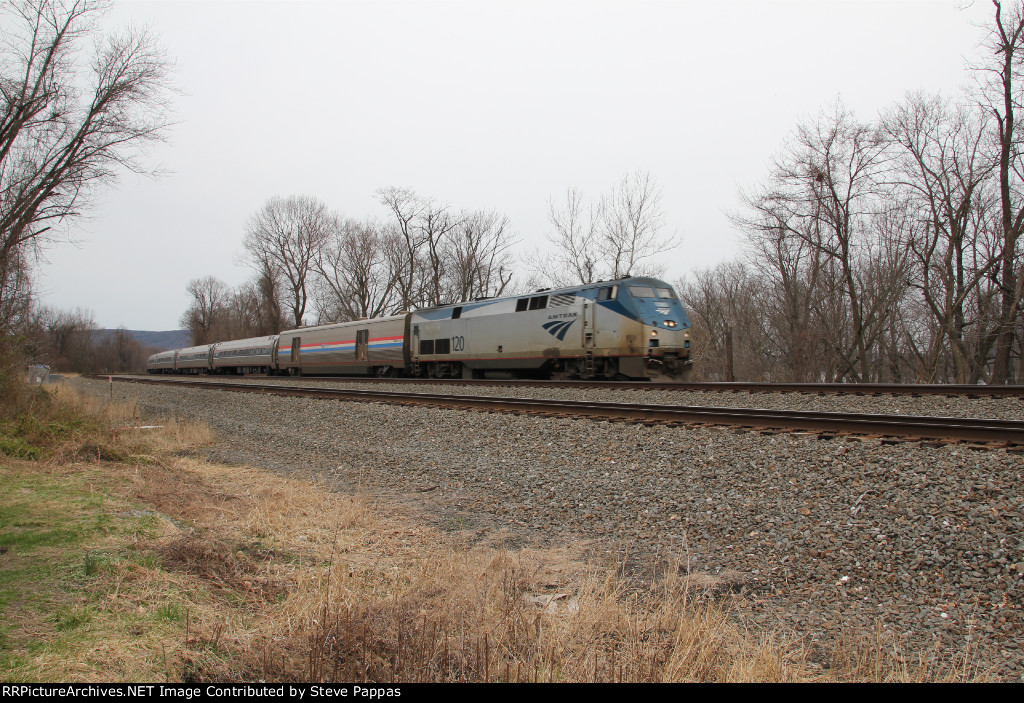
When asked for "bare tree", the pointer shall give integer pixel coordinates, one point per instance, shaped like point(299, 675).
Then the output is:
point(65, 130)
point(619, 236)
point(823, 191)
point(730, 336)
point(575, 256)
point(883, 274)
point(69, 336)
point(262, 294)
point(357, 279)
point(241, 316)
point(1001, 95)
point(480, 260)
point(898, 243)
point(206, 313)
point(631, 220)
point(406, 260)
point(436, 223)
point(439, 256)
point(283, 240)
point(119, 352)
point(16, 297)
point(943, 180)
point(792, 271)
point(218, 313)
point(70, 340)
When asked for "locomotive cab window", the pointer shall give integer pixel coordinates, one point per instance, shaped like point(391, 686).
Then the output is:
point(642, 291)
point(607, 293)
point(457, 313)
point(666, 293)
point(522, 304)
point(539, 303)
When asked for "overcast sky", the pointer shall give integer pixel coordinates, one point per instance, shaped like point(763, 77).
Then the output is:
point(482, 105)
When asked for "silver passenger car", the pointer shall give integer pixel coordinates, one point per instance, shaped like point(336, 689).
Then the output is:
point(242, 356)
point(363, 347)
point(194, 359)
point(161, 362)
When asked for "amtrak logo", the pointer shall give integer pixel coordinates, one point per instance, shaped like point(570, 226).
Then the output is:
point(558, 328)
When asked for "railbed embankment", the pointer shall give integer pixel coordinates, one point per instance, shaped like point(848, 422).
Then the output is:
point(819, 537)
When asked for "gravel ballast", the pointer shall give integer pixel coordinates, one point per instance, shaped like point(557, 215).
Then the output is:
point(821, 538)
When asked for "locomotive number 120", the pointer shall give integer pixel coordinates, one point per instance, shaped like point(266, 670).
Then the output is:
point(458, 344)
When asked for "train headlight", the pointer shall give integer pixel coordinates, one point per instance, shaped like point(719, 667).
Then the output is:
point(654, 333)
point(670, 323)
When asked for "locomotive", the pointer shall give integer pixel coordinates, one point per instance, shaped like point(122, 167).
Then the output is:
point(630, 328)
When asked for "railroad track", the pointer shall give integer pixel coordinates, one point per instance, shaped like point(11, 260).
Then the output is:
point(995, 432)
point(911, 389)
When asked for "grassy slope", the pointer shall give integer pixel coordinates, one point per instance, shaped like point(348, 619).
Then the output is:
point(124, 557)
point(68, 543)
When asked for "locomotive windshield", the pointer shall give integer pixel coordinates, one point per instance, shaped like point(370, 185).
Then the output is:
point(652, 292)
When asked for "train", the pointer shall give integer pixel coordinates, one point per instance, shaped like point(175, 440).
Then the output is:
point(629, 328)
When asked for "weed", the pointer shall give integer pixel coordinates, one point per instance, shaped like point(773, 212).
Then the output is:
point(72, 618)
point(18, 448)
point(147, 560)
point(145, 527)
point(103, 523)
point(171, 612)
point(92, 564)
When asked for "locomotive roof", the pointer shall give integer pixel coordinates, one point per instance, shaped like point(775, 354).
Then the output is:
point(562, 289)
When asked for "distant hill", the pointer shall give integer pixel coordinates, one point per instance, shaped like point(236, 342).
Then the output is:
point(172, 339)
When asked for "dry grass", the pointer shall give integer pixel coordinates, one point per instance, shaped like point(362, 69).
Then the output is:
point(60, 425)
point(241, 574)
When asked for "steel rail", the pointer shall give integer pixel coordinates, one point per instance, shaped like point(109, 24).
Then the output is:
point(1007, 432)
point(912, 389)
